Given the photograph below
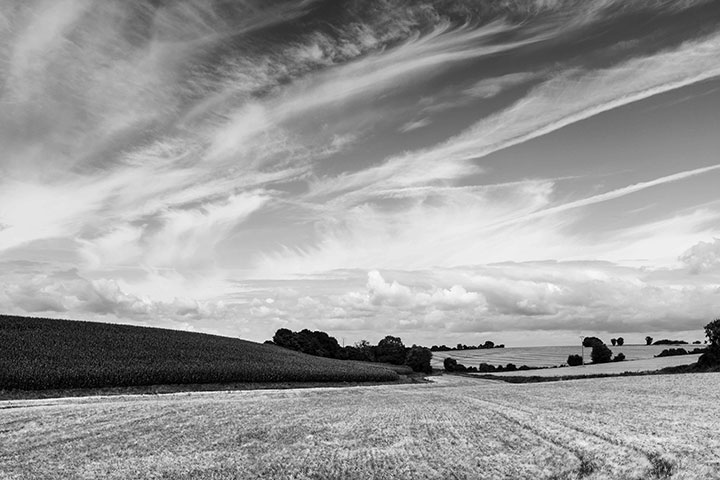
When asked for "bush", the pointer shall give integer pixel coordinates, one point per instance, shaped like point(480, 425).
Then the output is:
point(620, 341)
point(601, 354)
point(619, 357)
point(418, 358)
point(510, 367)
point(450, 364)
point(485, 367)
point(575, 360)
point(711, 358)
point(648, 340)
point(672, 352)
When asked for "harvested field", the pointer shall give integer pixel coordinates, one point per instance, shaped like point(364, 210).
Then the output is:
point(457, 427)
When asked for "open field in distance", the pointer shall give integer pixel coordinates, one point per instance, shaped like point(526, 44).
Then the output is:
point(612, 368)
point(458, 427)
point(544, 356)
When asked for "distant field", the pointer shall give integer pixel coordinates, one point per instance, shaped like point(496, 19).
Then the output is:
point(543, 356)
point(40, 354)
point(457, 428)
point(645, 365)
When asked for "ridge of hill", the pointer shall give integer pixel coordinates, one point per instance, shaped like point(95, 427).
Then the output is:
point(42, 353)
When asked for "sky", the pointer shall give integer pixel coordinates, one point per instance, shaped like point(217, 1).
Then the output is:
point(521, 171)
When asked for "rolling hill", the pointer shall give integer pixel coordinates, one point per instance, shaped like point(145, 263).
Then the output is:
point(41, 353)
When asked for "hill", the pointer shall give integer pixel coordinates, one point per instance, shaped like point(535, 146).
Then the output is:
point(41, 353)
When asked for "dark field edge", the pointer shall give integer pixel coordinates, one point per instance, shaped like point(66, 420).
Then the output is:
point(682, 369)
point(194, 388)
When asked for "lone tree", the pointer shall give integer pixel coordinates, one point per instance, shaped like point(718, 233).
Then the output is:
point(418, 358)
point(712, 332)
point(613, 341)
point(711, 358)
point(648, 340)
point(601, 354)
point(621, 341)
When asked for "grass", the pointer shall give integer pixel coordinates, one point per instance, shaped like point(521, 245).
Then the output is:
point(45, 354)
point(614, 428)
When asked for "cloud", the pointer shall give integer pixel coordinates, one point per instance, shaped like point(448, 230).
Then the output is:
point(554, 104)
point(489, 87)
point(703, 257)
point(178, 238)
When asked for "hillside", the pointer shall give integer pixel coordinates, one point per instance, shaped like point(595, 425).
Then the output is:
point(40, 353)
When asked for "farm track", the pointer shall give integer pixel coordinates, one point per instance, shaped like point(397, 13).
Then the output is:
point(455, 428)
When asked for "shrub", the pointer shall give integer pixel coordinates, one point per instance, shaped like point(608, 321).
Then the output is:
point(601, 354)
point(510, 367)
point(418, 358)
point(648, 340)
point(613, 341)
point(485, 367)
point(672, 352)
point(575, 360)
point(620, 341)
point(450, 364)
point(619, 357)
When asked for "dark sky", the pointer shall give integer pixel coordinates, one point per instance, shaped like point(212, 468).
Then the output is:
point(445, 171)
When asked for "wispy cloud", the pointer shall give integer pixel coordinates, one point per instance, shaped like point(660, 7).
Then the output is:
point(152, 151)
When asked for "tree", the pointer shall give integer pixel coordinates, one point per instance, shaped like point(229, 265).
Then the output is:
point(574, 360)
point(418, 358)
point(711, 358)
point(648, 340)
point(601, 354)
point(286, 338)
point(450, 364)
point(712, 332)
point(367, 350)
point(488, 344)
point(592, 341)
point(391, 350)
point(621, 341)
point(613, 341)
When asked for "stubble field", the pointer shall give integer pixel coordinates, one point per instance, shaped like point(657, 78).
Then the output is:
point(616, 428)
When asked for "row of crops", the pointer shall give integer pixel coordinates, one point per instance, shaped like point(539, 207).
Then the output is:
point(38, 353)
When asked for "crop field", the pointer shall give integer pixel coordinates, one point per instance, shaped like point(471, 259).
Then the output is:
point(58, 354)
point(457, 427)
point(543, 356)
point(613, 368)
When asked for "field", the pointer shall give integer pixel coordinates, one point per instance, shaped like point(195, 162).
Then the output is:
point(543, 356)
point(613, 368)
point(614, 428)
point(41, 354)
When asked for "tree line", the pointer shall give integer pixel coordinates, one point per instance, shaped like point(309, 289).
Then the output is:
point(388, 350)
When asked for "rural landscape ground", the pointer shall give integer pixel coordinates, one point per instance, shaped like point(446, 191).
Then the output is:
point(455, 427)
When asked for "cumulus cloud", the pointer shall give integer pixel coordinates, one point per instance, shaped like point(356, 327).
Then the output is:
point(703, 257)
